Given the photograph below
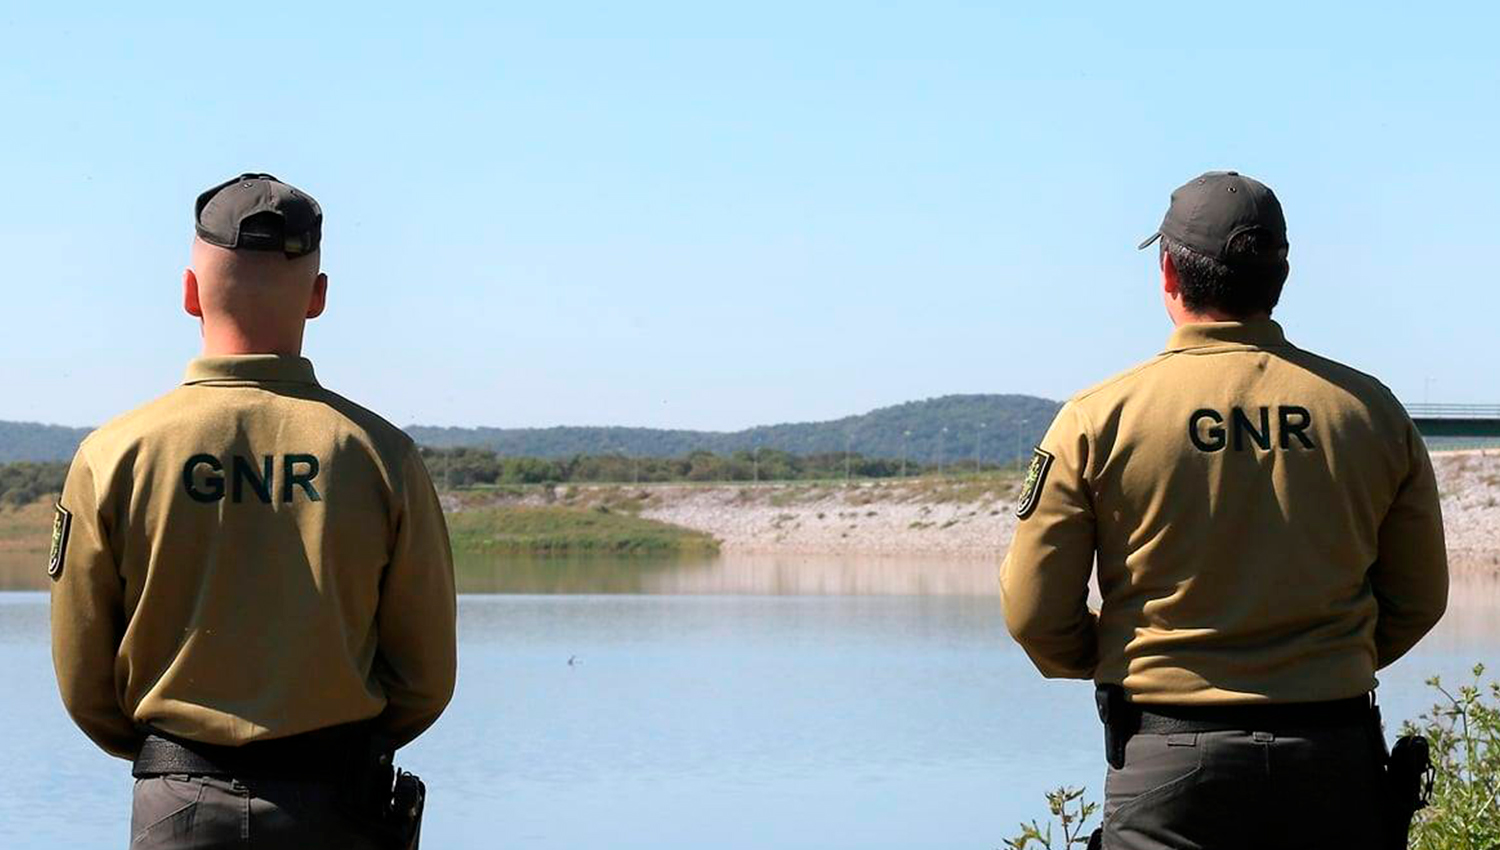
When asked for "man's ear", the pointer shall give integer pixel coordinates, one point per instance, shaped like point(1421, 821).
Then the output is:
point(319, 298)
point(190, 301)
point(1169, 282)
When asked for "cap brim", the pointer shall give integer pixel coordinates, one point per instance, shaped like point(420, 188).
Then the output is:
point(1152, 238)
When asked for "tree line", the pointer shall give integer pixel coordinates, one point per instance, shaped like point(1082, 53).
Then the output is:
point(993, 428)
point(458, 468)
point(25, 482)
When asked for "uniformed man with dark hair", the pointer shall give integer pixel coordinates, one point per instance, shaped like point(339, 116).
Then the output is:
point(1265, 528)
point(252, 590)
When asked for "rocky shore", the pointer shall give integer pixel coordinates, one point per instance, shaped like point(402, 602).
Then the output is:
point(1469, 483)
point(956, 519)
point(974, 518)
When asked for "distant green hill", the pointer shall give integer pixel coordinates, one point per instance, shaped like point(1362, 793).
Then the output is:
point(1011, 423)
point(36, 442)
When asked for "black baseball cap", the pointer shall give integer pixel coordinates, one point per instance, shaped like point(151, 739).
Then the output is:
point(1210, 210)
point(257, 212)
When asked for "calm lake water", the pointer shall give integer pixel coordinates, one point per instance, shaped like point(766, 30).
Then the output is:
point(736, 703)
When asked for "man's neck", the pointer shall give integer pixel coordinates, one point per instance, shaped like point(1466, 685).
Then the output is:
point(233, 351)
point(1207, 316)
point(229, 341)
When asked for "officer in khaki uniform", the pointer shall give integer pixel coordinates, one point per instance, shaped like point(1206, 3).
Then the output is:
point(252, 587)
point(1265, 529)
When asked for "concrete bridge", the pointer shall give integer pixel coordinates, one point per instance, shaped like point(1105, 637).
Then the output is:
point(1456, 420)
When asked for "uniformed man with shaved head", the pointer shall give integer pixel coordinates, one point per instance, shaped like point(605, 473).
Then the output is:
point(252, 589)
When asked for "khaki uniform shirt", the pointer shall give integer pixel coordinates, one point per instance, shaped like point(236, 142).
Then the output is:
point(249, 557)
point(1264, 522)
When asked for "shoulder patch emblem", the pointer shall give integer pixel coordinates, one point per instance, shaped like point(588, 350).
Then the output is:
point(1031, 487)
point(62, 523)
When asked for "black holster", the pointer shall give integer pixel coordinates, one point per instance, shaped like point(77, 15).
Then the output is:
point(1405, 784)
point(1119, 719)
point(1117, 715)
point(386, 803)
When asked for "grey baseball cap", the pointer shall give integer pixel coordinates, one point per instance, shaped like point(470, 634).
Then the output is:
point(1211, 209)
point(257, 212)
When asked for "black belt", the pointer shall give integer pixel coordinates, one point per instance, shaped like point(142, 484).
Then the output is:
point(321, 754)
point(1275, 717)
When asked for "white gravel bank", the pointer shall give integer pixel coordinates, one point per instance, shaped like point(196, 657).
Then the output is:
point(970, 520)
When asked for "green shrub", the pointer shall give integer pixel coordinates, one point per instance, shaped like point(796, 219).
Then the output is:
point(1072, 813)
point(1463, 731)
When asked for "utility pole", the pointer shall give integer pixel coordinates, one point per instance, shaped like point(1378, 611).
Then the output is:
point(755, 464)
point(905, 438)
point(978, 447)
point(941, 439)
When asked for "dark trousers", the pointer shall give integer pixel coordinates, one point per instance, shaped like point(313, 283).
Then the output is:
point(1307, 788)
point(178, 812)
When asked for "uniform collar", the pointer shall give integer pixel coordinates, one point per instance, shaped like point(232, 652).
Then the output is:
point(1256, 333)
point(254, 368)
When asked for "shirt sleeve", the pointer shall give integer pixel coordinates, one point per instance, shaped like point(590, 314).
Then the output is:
point(1044, 581)
point(88, 615)
point(417, 657)
point(1410, 574)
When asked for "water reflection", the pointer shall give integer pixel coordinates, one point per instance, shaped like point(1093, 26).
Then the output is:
point(546, 575)
point(1473, 598)
point(761, 575)
point(1472, 601)
point(23, 571)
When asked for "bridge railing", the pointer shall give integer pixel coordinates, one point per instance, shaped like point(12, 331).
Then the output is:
point(1454, 411)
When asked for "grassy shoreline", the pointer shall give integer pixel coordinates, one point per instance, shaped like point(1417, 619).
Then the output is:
point(512, 528)
point(556, 530)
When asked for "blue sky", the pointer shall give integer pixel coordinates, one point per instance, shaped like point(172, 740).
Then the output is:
point(695, 215)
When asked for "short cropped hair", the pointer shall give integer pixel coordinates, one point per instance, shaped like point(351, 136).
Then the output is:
point(1248, 281)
